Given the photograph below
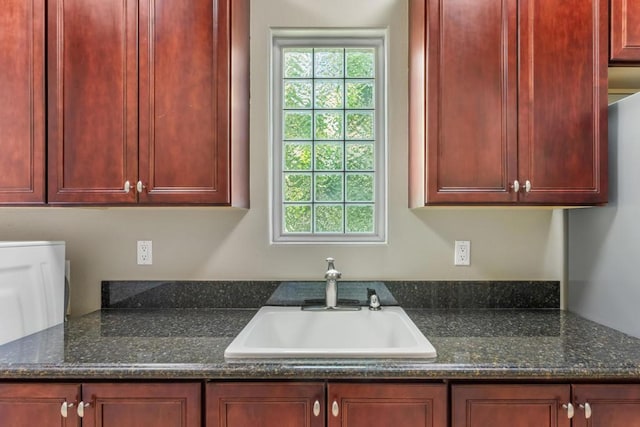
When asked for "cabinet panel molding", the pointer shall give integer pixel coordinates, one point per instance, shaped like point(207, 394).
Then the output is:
point(22, 104)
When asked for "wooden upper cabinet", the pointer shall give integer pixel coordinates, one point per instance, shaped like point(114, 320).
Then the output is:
point(508, 102)
point(562, 143)
point(93, 100)
point(625, 32)
point(153, 94)
point(265, 404)
point(370, 405)
point(503, 405)
point(22, 99)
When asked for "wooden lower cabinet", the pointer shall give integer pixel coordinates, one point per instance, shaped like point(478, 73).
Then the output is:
point(102, 405)
point(265, 404)
point(606, 405)
point(304, 404)
point(142, 405)
point(506, 405)
point(27, 405)
point(381, 405)
point(527, 405)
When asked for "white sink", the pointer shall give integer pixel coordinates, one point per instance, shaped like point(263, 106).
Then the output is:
point(289, 332)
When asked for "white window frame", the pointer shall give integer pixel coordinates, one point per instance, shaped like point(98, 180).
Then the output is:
point(283, 38)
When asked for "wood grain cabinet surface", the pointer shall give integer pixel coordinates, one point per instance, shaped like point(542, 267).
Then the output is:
point(265, 404)
point(142, 405)
point(384, 405)
point(606, 405)
point(508, 102)
point(101, 404)
point(508, 405)
point(39, 404)
point(22, 102)
point(148, 101)
point(625, 32)
point(304, 404)
point(541, 405)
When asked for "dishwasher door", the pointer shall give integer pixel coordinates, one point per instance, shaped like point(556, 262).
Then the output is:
point(31, 287)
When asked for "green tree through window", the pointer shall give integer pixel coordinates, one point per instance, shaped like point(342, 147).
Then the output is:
point(329, 140)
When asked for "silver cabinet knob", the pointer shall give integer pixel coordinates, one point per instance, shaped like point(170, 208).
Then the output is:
point(81, 407)
point(527, 186)
point(587, 410)
point(570, 410)
point(316, 408)
point(335, 409)
point(64, 408)
point(516, 186)
point(140, 186)
point(127, 186)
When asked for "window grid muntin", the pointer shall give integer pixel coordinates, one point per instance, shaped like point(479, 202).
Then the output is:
point(344, 140)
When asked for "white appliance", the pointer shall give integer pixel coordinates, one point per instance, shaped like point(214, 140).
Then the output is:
point(604, 242)
point(32, 289)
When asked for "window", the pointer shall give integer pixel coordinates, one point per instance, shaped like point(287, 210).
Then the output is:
point(328, 124)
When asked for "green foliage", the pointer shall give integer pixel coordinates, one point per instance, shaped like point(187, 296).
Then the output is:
point(329, 218)
point(329, 63)
point(329, 156)
point(297, 94)
point(360, 125)
point(298, 62)
point(297, 187)
point(360, 187)
point(297, 156)
point(329, 95)
point(360, 94)
point(360, 156)
point(328, 187)
point(329, 125)
point(360, 219)
point(360, 63)
point(297, 218)
point(297, 125)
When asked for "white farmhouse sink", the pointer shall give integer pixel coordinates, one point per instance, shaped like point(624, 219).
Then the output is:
point(289, 332)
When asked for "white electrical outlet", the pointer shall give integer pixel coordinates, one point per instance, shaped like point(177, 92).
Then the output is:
point(145, 253)
point(462, 252)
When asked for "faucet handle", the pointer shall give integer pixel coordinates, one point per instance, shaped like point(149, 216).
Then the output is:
point(332, 273)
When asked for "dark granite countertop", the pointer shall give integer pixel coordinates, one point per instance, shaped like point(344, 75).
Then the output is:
point(189, 344)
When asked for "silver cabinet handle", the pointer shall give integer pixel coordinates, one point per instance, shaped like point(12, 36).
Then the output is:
point(527, 186)
point(81, 407)
point(127, 186)
point(570, 410)
point(316, 408)
point(335, 409)
point(587, 410)
point(140, 186)
point(64, 408)
point(516, 186)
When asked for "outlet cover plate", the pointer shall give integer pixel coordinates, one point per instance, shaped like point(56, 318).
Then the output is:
point(145, 253)
point(462, 254)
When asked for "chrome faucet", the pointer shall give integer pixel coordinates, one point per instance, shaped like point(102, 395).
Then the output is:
point(332, 275)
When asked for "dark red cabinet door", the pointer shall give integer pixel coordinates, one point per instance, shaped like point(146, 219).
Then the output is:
point(26, 405)
point(265, 404)
point(22, 98)
point(93, 101)
point(625, 32)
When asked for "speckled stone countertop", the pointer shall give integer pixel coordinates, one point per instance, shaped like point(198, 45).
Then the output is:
point(189, 344)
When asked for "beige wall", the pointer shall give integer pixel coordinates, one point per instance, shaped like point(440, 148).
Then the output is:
point(219, 243)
